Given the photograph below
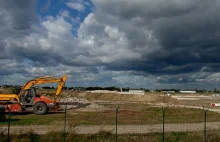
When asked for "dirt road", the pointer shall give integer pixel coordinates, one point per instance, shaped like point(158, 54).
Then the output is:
point(122, 129)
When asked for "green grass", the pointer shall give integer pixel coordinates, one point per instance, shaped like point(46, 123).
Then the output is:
point(126, 115)
point(32, 119)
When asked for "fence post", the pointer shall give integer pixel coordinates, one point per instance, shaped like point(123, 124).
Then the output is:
point(116, 124)
point(64, 131)
point(9, 123)
point(204, 134)
point(164, 111)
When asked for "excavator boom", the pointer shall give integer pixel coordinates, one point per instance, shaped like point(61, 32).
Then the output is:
point(46, 80)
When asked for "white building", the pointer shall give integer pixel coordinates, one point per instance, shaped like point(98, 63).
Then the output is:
point(138, 92)
point(168, 91)
point(188, 92)
point(133, 92)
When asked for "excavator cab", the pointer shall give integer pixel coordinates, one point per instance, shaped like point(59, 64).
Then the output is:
point(27, 96)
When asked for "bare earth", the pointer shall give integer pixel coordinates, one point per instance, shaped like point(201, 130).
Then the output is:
point(190, 101)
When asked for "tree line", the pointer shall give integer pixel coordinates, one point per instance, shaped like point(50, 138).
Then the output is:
point(113, 88)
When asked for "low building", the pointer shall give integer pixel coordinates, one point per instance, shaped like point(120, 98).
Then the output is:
point(102, 91)
point(135, 92)
point(188, 92)
point(168, 91)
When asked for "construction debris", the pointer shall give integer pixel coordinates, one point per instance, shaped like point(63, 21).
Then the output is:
point(80, 104)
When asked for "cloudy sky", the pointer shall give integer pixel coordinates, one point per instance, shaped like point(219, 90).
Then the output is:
point(142, 43)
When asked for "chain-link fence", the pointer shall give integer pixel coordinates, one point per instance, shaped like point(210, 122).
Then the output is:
point(121, 122)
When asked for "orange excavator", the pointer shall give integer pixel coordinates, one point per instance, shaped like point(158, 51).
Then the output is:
point(29, 100)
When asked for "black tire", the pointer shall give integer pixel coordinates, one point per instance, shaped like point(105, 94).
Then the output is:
point(40, 108)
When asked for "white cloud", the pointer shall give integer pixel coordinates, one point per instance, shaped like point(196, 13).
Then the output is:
point(105, 42)
point(66, 14)
point(76, 6)
point(57, 27)
point(180, 79)
point(215, 77)
point(36, 70)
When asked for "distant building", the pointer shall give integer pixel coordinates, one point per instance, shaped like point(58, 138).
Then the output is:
point(138, 92)
point(168, 91)
point(188, 92)
point(102, 91)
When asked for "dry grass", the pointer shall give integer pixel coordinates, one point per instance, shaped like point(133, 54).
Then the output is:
point(134, 114)
point(106, 136)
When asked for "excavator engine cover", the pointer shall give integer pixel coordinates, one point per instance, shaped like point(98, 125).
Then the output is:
point(13, 107)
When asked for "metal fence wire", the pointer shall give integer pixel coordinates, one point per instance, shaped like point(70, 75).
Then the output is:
point(121, 122)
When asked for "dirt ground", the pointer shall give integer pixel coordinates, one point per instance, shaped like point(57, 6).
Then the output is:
point(88, 101)
point(175, 98)
point(82, 101)
point(96, 100)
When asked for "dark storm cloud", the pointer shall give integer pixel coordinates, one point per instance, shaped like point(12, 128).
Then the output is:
point(159, 68)
point(188, 33)
point(147, 8)
point(9, 67)
point(20, 34)
point(20, 12)
point(16, 19)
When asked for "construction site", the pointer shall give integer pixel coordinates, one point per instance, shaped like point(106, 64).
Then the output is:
point(103, 115)
point(109, 71)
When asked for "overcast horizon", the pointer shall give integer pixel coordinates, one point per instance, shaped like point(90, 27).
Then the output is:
point(139, 44)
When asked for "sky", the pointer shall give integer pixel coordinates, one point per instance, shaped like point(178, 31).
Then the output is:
point(150, 44)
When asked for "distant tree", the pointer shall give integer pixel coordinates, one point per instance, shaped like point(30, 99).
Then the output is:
point(16, 90)
point(111, 88)
point(125, 89)
point(215, 90)
point(46, 87)
point(94, 88)
point(147, 90)
point(164, 90)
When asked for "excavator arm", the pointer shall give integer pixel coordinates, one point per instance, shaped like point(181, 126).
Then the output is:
point(29, 84)
point(61, 85)
point(46, 80)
